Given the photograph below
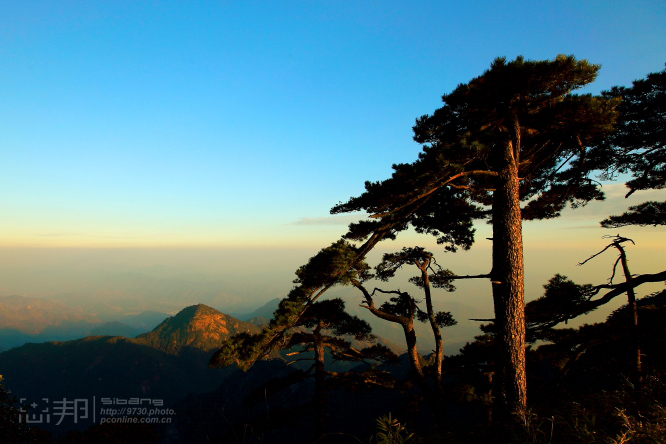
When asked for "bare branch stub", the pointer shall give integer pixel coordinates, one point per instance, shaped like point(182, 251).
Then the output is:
point(617, 243)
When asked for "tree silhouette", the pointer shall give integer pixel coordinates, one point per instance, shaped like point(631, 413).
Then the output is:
point(324, 325)
point(303, 323)
point(401, 309)
point(564, 300)
point(593, 356)
point(631, 297)
point(647, 213)
point(430, 275)
point(516, 133)
point(639, 147)
point(13, 427)
point(331, 266)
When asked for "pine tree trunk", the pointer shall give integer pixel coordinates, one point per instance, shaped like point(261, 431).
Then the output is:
point(437, 334)
point(508, 291)
point(635, 333)
point(320, 375)
point(407, 324)
point(412, 352)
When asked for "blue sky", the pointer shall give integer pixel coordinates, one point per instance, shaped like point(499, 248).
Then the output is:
point(214, 124)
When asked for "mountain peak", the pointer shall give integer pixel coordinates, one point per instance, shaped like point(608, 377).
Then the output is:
point(197, 326)
point(198, 310)
point(201, 319)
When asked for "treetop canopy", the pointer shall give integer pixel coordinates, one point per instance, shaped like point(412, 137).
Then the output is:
point(528, 106)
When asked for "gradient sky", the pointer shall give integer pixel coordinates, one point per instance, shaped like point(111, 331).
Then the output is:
point(238, 125)
point(217, 124)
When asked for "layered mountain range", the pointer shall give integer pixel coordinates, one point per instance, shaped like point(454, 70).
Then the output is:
point(164, 365)
point(34, 320)
point(151, 364)
point(168, 364)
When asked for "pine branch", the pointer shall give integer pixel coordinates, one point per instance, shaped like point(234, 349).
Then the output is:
point(590, 304)
point(437, 185)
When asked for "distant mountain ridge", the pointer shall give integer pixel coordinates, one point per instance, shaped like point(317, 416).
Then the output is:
point(144, 321)
point(115, 328)
point(33, 315)
point(263, 313)
point(35, 320)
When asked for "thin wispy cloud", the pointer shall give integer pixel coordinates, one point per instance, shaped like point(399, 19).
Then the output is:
point(59, 234)
point(104, 235)
point(329, 220)
point(615, 203)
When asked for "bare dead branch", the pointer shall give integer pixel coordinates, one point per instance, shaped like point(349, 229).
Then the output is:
point(398, 292)
point(610, 280)
point(594, 255)
point(471, 276)
point(616, 243)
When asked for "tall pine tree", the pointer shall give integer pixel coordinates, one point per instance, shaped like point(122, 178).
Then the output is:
point(515, 134)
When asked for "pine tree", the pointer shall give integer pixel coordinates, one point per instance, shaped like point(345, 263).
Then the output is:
point(303, 323)
point(648, 213)
point(638, 147)
point(322, 327)
point(514, 134)
point(333, 265)
point(430, 275)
